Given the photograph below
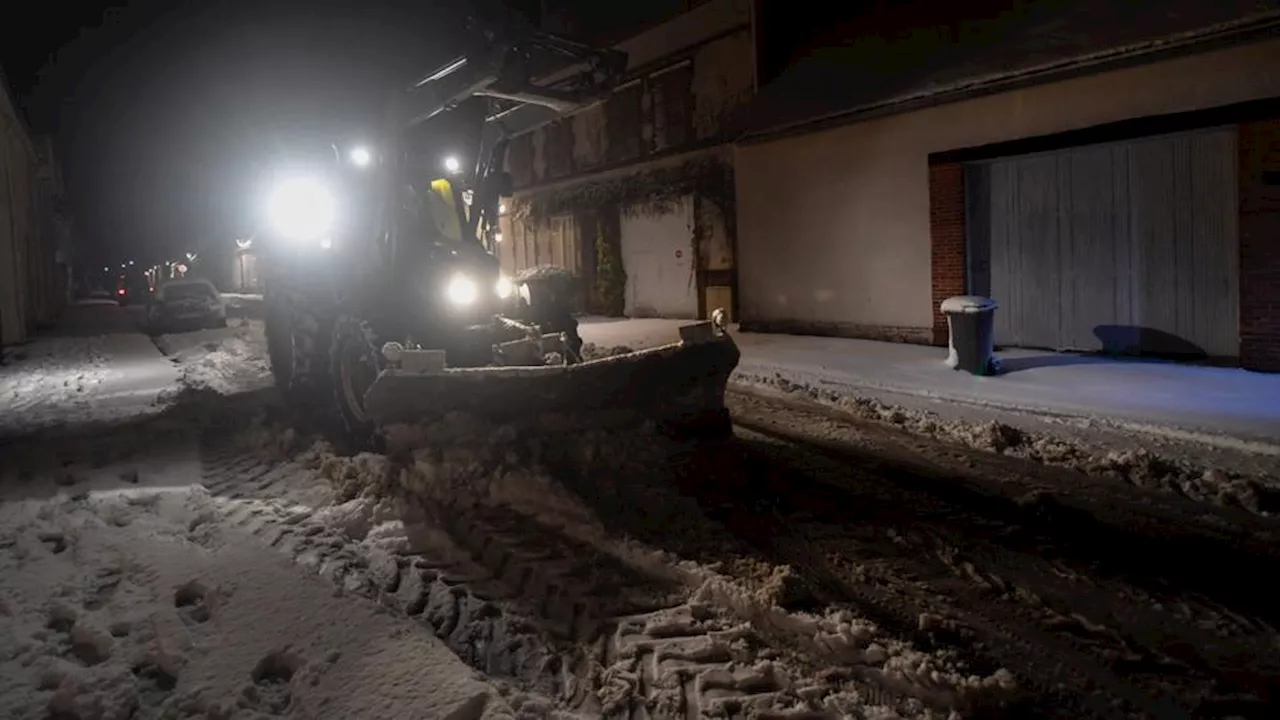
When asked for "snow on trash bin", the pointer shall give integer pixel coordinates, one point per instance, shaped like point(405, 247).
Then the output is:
point(971, 334)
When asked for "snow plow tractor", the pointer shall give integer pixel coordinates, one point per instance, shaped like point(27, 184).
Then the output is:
point(385, 302)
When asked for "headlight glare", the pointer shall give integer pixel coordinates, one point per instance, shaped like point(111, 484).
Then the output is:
point(505, 287)
point(301, 209)
point(462, 290)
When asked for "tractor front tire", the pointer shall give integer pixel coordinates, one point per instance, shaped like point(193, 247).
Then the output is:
point(298, 334)
point(279, 332)
point(355, 359)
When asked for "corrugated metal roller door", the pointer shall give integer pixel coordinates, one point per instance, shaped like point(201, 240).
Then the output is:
point(1123, 247)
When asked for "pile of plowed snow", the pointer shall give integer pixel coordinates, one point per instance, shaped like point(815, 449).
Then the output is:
point(226, 361)
point(1138, 467)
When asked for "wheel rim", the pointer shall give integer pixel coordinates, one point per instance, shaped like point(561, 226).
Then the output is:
point(356, 376)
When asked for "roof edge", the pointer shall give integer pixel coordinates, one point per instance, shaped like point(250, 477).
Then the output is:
point(1202, 40)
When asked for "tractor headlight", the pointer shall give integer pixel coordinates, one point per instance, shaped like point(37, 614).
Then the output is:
point(505, 287)
point(462, 290)
point(302, 209)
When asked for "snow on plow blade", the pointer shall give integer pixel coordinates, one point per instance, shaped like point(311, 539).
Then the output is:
point(680, 385)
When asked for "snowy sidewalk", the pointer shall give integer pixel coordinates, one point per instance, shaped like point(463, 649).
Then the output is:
point(137, 587)
point(1220, 406)
point(96, 365)
point(132, 591)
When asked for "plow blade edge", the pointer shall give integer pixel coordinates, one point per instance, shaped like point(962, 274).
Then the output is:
point(681, 384)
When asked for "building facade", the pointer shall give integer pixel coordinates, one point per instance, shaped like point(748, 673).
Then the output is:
point(1109, 175)
point(58, 226)
point(635, 195)
point(32, 290)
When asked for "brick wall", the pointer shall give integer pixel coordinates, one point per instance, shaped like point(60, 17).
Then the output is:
point(1260, 245)
point(947, 239)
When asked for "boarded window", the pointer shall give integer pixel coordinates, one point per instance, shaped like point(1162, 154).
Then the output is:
point(623, 124)
point(672, 107)
point(554, 242)
point(559, 148)
point(520, 160)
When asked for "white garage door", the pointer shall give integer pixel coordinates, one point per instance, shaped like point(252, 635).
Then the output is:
point(657, 254)
point(1126, 247)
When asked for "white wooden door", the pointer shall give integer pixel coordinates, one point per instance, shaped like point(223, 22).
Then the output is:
point(657, 254)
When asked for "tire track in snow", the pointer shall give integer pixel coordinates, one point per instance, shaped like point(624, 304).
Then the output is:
point(1041, 608)
point(518, 599)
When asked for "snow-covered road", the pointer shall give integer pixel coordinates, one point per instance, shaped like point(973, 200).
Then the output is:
point(130, 592)
point(205, 559)
point(144, 602)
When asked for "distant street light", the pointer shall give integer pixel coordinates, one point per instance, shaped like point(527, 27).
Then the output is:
point(361, 156)
point(191, 257)
point(452, 165)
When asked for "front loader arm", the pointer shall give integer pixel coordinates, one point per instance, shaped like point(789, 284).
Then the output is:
point(528, 77)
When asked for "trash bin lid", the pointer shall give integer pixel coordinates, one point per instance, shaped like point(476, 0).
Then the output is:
point(968, 304)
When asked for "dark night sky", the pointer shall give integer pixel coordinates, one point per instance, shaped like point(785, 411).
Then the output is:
point(163, 108)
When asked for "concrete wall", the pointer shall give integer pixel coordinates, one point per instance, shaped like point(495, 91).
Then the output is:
point(719, 79)
point(834, 226)
point(29, 290)
point(723, 79)
point(686, 77)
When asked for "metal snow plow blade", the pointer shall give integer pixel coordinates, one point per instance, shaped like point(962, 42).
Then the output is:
point(679, 386)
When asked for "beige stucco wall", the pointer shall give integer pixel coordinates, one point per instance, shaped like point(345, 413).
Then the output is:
point(833, 227)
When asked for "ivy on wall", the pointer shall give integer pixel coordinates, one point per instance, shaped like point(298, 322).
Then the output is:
point(611, 276)
point(653, 192)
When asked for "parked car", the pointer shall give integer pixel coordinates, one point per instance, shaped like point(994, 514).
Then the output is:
point(186, 304)
point(132, 288)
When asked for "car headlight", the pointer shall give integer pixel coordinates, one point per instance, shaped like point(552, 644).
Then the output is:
point(462, 290)
point(301, 209)
point(505, 287)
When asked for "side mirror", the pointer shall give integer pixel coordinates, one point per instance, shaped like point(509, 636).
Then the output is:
point(506, 185)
